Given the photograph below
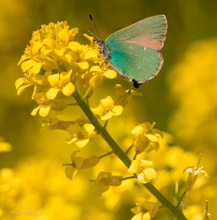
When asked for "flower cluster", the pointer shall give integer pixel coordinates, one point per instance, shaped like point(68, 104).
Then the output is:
point(55, 64)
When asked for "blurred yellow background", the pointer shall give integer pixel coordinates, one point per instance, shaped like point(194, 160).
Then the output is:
point(182, 100)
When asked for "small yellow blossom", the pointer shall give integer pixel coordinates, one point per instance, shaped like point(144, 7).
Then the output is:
point(21, 84)
point(145, 210)
point(44, 104)
point(193, 173)
point(79, 163)
point(57, 124)
point(96, 77)
point(124, 96)
point(81, 135)
point(31, 80)
point(60, 82)
point(81, 130)
point(106, 179)
point(107, 108)
point(4, 146)
point(143, 169)
point(146, 138)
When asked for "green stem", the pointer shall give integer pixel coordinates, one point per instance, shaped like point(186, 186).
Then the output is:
point(183, 195)
point(104, 155)
point(129, 177)
point(128, 150)
point(122, 156)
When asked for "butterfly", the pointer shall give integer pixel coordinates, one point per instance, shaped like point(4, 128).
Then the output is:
point(134, 51)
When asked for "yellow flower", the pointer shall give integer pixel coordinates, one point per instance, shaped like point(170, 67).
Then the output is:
point(81, 130)
point(21, 84)
point(143, 169)
point(81, 135)
point(124, 96)
point(107, 108)
point(4, 146)
point(145, 210)
point(193, 173)
point(79, 163)
point(31, 80)
point(146, 138)
point(44, 104)
point(60, 82)
point(106, 179)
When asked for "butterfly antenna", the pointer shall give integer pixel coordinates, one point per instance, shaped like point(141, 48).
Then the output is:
point(98, 34)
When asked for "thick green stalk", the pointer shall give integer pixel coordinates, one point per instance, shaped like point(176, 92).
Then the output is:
point(122, 156)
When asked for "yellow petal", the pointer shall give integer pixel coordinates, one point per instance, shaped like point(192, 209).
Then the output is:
point(64, 35)
point(50, 42)
point(83, 65)
point(27, 65)
point(53, 79)
point(70, 172)
point(71, 140)
point(35, 110)
point(152, 137)
point(23, 58)
point(73, 155)
point(82, 143)
point(107, 102)
point(138, 130)
point(110, 74)
point(60, 52)
point(52, 93)
point(68, 89)
point(36, 47)
point(36, 68)
point(90, 38)
point(117, 110)
point(95, 69)
point(20, 86)
point(91, 54)
point(150, 173)
point(90, 162)
point(74, 46)
point(44, 111)
point(89, 128)
point(99, 111)
point(106, 116)
point(134, 167)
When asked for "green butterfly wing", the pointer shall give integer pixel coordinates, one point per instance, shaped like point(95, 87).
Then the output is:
point(149, 32)
point(135, 62)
